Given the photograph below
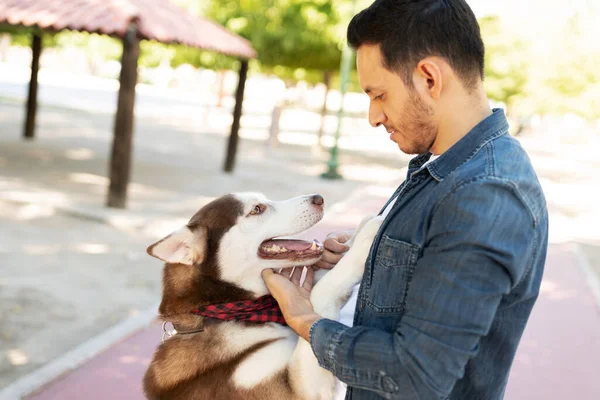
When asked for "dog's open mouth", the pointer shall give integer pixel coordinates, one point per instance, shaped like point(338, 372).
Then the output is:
point(290, 249)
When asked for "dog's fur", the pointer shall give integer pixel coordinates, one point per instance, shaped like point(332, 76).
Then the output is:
point(214, 259)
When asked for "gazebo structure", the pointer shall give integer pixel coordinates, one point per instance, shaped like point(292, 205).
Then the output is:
point(130, 21)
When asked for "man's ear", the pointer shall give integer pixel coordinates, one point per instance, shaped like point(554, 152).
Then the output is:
point(185, 246)
point(429, 76)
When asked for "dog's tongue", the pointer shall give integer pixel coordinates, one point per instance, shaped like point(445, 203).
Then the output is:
point(289, 244)
point(281, 249)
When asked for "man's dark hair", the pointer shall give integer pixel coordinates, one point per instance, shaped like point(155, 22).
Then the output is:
point(409, 30)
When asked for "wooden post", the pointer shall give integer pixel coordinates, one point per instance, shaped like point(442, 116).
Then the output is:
point(237, 114)
point(36, 47)
point(120, 160)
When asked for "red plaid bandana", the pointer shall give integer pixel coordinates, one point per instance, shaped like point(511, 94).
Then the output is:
point(263, 309)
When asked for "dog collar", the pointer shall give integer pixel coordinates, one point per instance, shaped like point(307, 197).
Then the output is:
point(177, 331)
point(262, 310)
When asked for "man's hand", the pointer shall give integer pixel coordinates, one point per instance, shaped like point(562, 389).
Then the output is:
point(334, 249)
point(293, 298)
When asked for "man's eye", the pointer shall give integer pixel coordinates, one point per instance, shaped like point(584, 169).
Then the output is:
point(380, 97)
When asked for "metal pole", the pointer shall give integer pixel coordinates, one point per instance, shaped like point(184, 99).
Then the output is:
point(332, 164)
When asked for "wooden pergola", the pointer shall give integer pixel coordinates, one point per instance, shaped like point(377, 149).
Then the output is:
point(130, 21)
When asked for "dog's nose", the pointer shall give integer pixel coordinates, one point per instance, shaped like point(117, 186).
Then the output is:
point(318, 200)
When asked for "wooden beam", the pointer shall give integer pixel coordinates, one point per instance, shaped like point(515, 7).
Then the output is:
point(36, 47)
point(237, 115)
point(120, 160)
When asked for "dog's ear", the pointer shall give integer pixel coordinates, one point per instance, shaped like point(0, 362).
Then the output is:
point(185, 246)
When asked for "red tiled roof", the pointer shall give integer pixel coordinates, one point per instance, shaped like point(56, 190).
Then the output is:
point(157, 20)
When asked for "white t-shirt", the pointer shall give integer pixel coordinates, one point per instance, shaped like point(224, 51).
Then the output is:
point(347, 312)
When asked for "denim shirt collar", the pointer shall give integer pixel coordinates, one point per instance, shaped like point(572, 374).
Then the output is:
point(490, 128)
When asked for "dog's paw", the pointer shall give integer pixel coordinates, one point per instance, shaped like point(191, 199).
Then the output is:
point(364, 237)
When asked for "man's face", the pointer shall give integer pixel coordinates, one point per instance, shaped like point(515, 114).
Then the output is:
point(408, 119)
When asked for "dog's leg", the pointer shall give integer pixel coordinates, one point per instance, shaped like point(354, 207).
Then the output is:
point(327, 297)
point(329, 293)
point(320, 273)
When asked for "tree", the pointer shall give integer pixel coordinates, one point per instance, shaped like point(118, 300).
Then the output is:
point(550, 68)
point(290, 33)
point(506, 66)
point(293, 38)
point(571, 82)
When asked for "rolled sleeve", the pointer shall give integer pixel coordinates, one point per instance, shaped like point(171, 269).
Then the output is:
point(358, 356)
point(324, 336)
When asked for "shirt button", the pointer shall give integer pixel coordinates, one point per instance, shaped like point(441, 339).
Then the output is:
point(389, 385)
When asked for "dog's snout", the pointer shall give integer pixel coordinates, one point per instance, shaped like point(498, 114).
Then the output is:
point(318, 200)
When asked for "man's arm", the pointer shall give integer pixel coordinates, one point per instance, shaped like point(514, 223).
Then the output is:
point(477, 245)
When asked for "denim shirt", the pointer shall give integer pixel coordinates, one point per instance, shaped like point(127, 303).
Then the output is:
point(451, 277)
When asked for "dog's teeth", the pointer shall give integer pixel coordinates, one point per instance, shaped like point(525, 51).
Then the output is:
point(314, 246)
point(275, 249)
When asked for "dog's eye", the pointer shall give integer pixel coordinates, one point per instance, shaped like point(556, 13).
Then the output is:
point(257, 210)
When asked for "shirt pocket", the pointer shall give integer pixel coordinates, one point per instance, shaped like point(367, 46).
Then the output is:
point(392, 272)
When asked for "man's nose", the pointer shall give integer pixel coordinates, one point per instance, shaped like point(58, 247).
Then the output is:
point(376, 116)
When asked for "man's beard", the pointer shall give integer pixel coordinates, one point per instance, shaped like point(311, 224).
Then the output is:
point(418, 128)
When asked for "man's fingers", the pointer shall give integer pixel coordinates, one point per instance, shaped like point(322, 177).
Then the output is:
point(297, 275)
point(328, 260)
point(271, 277)
point(323, 265)
point(276, 283)
point(331, 258)
point(309, 279)
point(287, 272)
point(335, 246)
point(266, 273)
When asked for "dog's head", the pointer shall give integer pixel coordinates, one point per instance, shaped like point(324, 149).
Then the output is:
point(235, 237)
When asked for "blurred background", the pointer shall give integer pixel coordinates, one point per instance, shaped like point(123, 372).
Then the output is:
point(78, 294)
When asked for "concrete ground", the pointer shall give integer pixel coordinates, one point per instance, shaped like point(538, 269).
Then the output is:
point(72, 268)
point(64, 280)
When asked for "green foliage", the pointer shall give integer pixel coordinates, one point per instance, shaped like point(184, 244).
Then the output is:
point(572, 80)
point(506, 67)
point(289, 33)
point(21, 36)
point(152, 54)
point(95, 46)
point(556, 75)
point(201, 58)
point(547, 68)
point(295, 39)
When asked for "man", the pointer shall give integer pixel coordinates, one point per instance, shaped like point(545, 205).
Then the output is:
point(456, 266)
